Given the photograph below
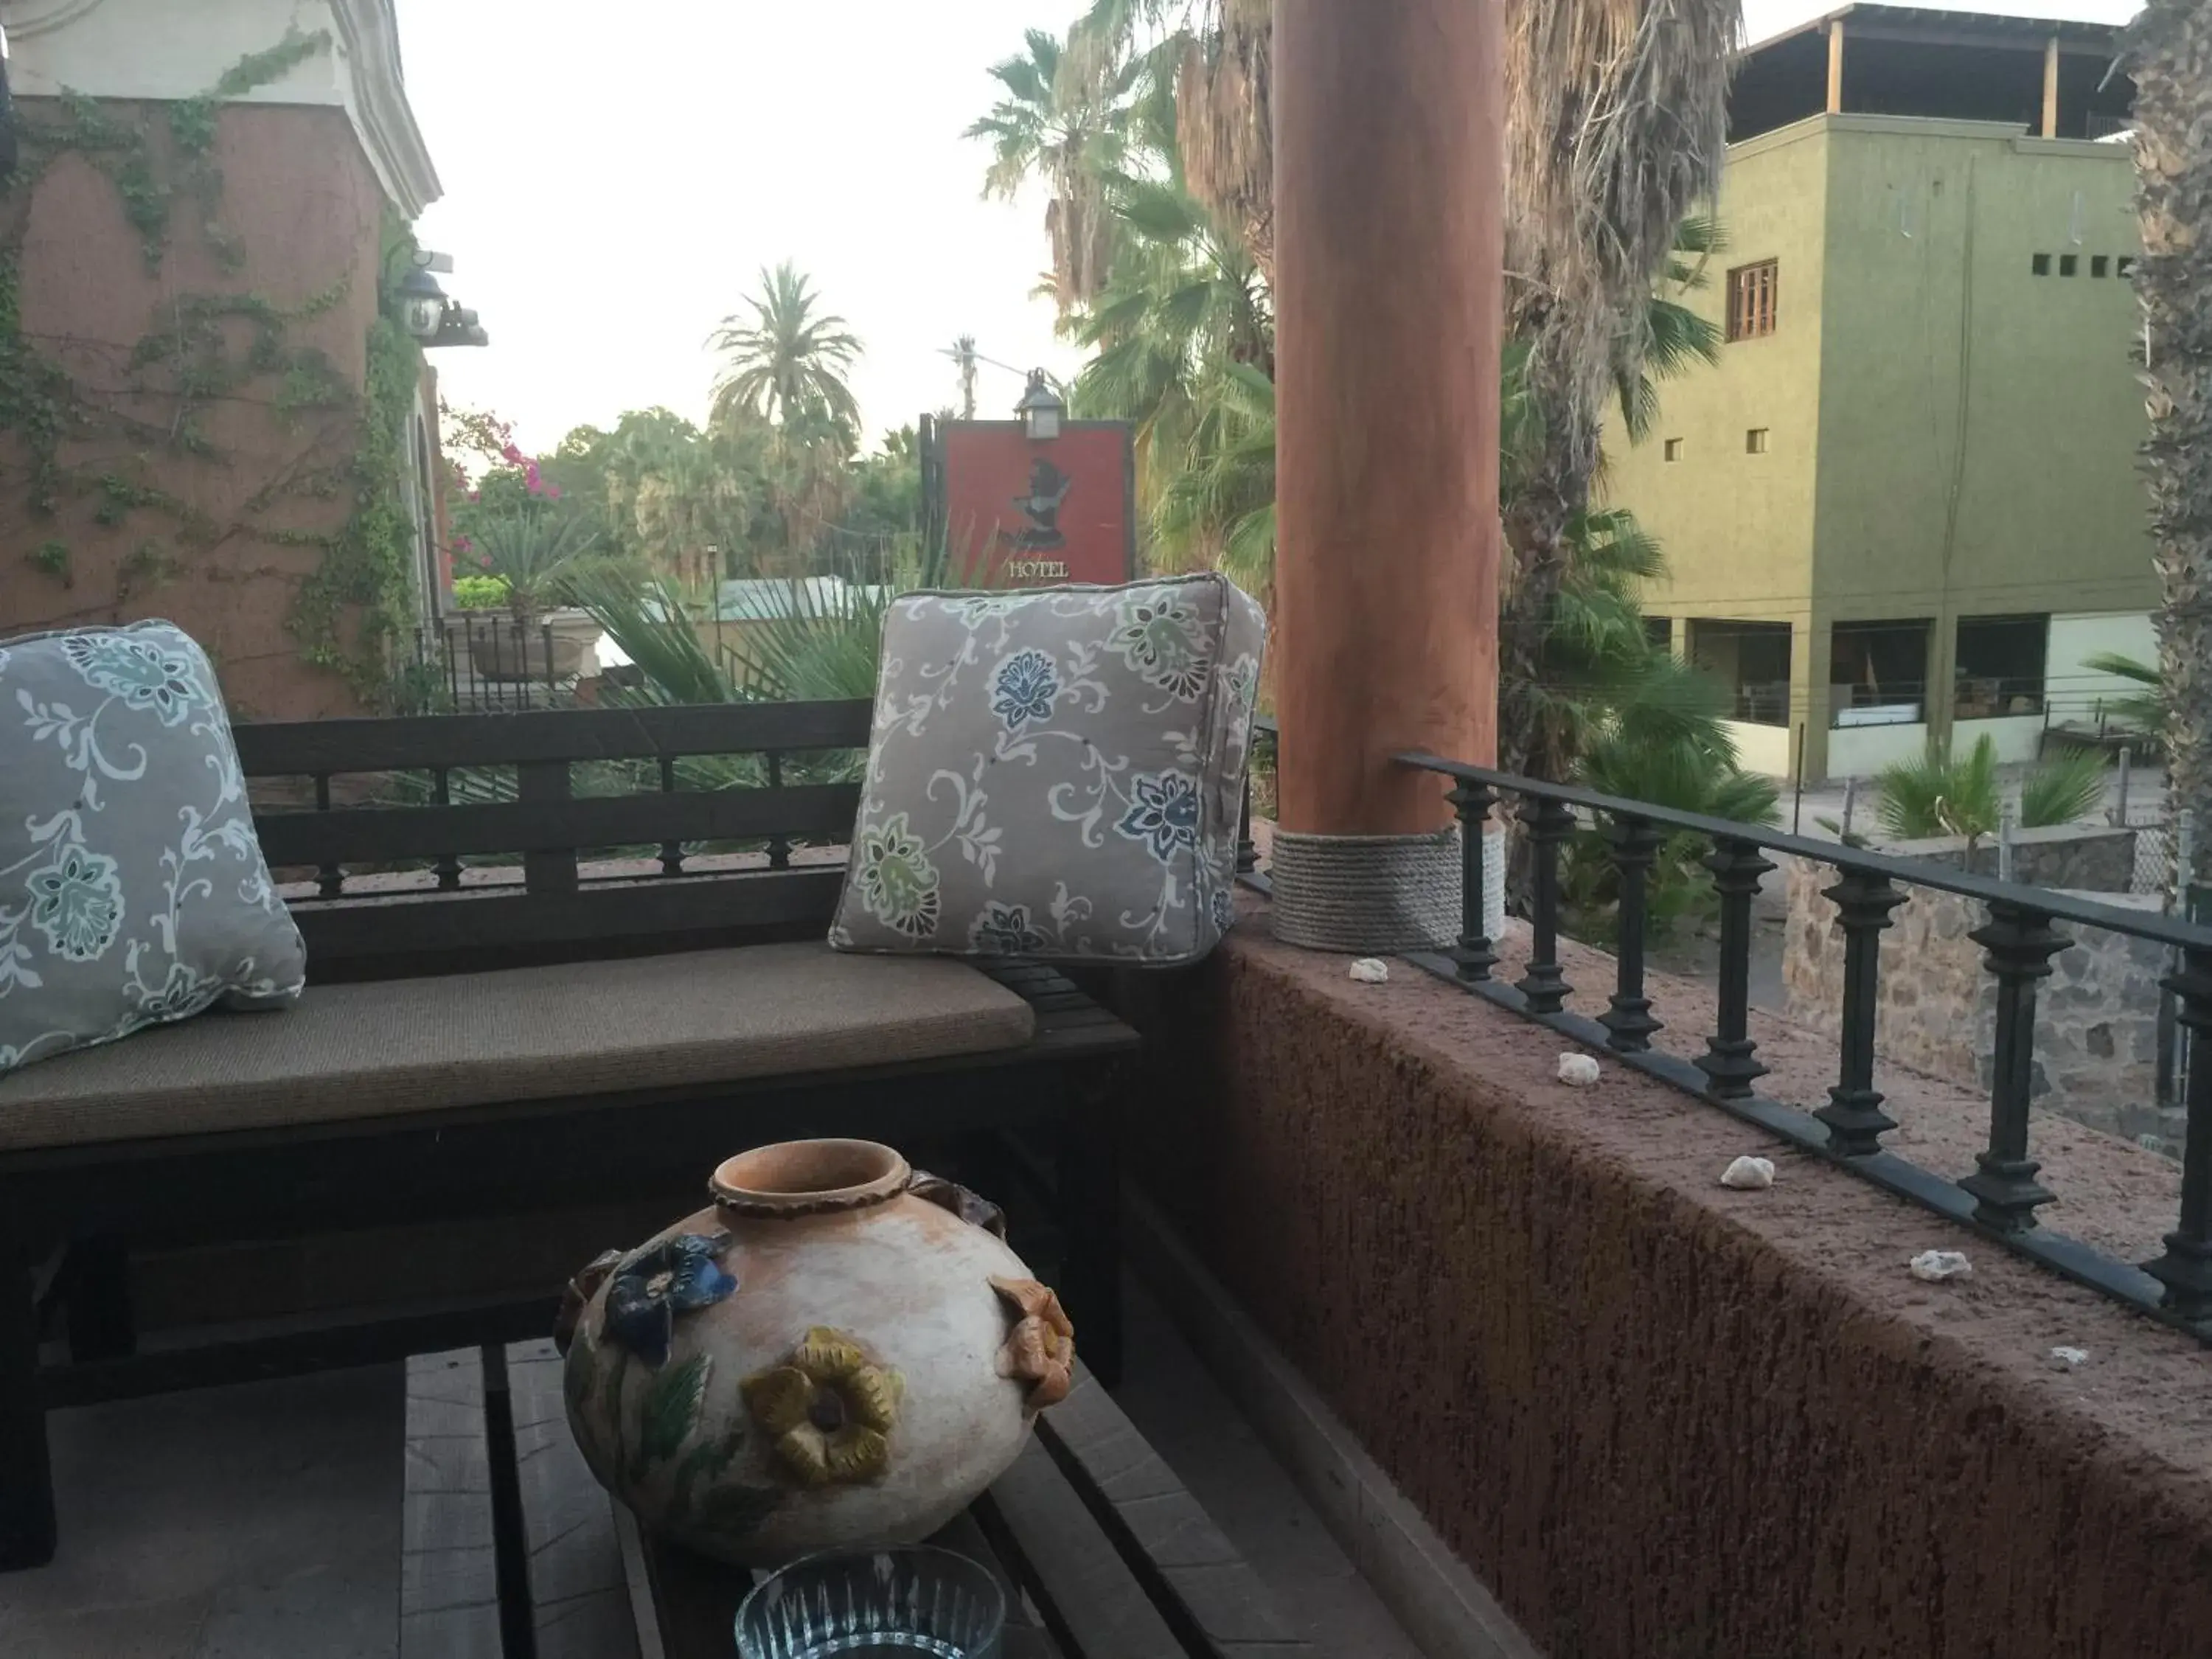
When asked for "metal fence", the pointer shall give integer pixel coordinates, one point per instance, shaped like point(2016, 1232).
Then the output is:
point(2024, 930)
point(490, 661)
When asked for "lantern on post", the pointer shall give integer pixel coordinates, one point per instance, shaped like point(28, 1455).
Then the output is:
point(1040, 409)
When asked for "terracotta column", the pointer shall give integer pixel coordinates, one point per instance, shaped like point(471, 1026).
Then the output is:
point(1388, 174)
point(2050, 88)
point(1836, 67)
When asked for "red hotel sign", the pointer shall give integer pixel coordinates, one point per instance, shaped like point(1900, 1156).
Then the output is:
point(1020, 513)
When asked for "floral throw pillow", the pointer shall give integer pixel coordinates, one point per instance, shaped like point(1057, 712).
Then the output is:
point(1056, 773)
point(132, 890)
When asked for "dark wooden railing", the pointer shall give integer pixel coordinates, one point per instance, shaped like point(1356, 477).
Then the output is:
point(1999, 1200)
point(528, 818)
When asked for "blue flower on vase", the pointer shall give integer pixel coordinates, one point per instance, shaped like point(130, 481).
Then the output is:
point(1024, 688)
point(677, 1275)
point(1163, 813)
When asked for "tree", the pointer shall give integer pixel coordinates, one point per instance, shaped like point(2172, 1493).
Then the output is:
point(963, 354)
point(789, 360)
point(2170, 55)
point(1185, 304)
point(2144, 709)
point(1051, 125)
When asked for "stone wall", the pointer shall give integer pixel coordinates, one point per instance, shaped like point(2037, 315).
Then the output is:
point(2096, 1023)
point(2072, 856)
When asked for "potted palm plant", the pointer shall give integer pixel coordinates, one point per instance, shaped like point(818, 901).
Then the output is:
point(538, 555)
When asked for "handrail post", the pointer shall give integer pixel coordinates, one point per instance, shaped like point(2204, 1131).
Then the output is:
point(1854, 1116)
point(1473, 954)
point(1727, 1061)
point(448, 866)
point(672, 852)
point(330, 876)
point(2186, 1269)
point(2020, 942)
point(1550, 824)
point(1635, 847)
point(779, 844)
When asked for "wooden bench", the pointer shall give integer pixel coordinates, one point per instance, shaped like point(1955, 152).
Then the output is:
point(510, 1548)
point(594, 1010)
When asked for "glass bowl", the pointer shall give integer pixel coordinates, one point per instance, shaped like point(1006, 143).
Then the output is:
point(879, 1604)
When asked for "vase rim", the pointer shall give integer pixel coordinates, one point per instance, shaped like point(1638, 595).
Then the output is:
point(791, 1178)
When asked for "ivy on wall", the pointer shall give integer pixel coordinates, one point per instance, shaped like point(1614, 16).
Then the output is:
point(201, 351)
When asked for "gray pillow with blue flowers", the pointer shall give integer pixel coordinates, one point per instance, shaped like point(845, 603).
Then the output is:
point(1056, 773)
point(132, 891)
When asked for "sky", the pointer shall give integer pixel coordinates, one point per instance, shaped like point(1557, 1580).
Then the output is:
point(615, 177)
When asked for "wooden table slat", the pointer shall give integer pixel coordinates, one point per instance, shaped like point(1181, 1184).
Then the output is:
point(579, 1597)
point(448, 1588)
point(1160, 1530)
point(1069, 1563)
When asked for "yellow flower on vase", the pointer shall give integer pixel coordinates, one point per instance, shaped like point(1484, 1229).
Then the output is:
point(828, 1409)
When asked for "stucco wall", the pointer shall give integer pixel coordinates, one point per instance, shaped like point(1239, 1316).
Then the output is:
point(1662, 1420)
point(1763, 749)
point(2076, 690)
point(303, 202)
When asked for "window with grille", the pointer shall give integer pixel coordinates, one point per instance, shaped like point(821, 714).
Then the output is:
point(1751, 295)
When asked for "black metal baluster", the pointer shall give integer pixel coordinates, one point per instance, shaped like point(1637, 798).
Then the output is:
point(330, 878)
point(1635, 846)
point(2020, 942)
point(1854, 1116)
point(453, 661)
point(1473, 954)
point(672, 852)
point(1550, 823)
point(2186, 1269)
point(779, 844)
point(549, 670)
point(1727, 1062)
point(448, 866)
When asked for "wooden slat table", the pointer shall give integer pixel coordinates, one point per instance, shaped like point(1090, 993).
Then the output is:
point(512, 1550)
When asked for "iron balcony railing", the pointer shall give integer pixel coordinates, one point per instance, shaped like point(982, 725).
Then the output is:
point(1999, 1200)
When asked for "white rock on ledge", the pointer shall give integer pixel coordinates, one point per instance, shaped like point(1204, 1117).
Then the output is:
point(1371, 971)
point(1749, 1174)
point(1577, 1070)
point(1936, 1266)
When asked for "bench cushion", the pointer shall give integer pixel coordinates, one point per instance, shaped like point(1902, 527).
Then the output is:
point(1056, 773)
point(422, 1045)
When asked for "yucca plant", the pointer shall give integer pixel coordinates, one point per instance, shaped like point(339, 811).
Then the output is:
point(1939, 795)
point(2061, 790)
point(541, 553)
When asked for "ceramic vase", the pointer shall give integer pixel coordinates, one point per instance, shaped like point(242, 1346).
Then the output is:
point(837, 1352)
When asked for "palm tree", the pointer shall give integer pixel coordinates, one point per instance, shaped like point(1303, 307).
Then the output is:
point(1185, 300)
point(788, 359)
point(1218, 511)
point(2170, 55)
point(2144, 709)
point(1669, 337)
point(963, 354)
point(1217, 57)
point(1048, 124)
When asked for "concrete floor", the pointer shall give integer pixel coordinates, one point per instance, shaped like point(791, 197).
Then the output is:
point(262, 1521)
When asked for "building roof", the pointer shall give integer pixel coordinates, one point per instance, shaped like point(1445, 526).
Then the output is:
point(1931, 23)
point(1952, 65)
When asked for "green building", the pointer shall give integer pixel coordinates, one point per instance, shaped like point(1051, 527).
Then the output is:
point(1905, 504)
